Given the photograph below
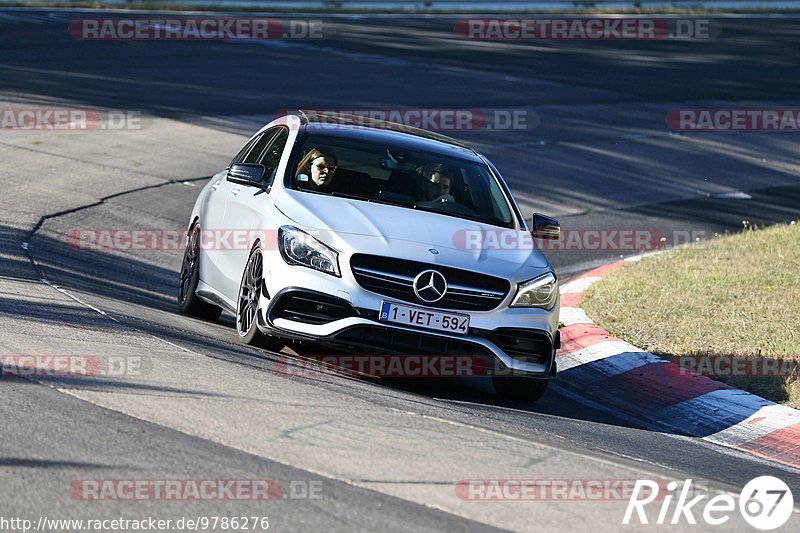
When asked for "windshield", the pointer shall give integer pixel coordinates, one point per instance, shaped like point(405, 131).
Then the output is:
point(395, 175)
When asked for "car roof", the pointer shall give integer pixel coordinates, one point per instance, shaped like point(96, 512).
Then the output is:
point(375, 130)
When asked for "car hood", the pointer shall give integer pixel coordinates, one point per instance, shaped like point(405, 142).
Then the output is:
point(403, 232)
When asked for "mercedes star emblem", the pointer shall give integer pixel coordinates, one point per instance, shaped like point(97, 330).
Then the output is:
point(430, 286)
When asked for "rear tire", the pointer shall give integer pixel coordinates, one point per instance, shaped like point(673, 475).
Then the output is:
point(250, 292)
point(519, 388)
point(188, 302)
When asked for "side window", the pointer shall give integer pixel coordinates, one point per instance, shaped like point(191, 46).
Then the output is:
point(246, 150)
point(256, 151)
point(272, 155)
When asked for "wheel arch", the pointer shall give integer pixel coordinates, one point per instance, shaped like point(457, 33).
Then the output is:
point(257, 245)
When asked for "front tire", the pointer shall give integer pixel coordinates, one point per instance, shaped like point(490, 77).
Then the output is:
point(188, 302)
point(250, 292)
point(519, 388)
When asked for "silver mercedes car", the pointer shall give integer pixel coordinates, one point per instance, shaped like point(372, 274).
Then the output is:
point(374, 237)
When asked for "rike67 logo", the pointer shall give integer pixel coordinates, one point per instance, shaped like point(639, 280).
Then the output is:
point(765, 503)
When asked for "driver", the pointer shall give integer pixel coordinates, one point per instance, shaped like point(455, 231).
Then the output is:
point(437, 183)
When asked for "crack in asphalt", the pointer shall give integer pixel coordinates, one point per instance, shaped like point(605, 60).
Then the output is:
point(29, 236)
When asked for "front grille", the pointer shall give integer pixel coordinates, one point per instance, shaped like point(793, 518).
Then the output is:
point(467, 291)
point(407, 342)
point(311, 308)
point(523, 344)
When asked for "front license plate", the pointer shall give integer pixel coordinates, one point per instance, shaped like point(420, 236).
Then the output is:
point(423, 318)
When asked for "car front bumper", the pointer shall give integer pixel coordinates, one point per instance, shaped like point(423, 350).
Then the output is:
point(357, 326)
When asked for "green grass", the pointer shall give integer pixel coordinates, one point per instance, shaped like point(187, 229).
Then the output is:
point(736, 296)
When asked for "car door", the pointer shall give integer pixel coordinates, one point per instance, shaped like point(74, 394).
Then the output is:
point(212, 220)
point(245, 207)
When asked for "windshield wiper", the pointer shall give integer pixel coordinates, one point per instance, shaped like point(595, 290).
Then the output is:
point(430, 209)
point(347, 195)
point(364, 198)
point(477, 218)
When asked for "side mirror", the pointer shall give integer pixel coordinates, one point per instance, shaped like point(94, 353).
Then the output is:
point(545, 227)
point(246, 174)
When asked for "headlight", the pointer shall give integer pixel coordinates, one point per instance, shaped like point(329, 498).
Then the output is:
point(299, 248)
point(537, 292)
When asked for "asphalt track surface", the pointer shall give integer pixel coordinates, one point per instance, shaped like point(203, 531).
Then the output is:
point(386, 452)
